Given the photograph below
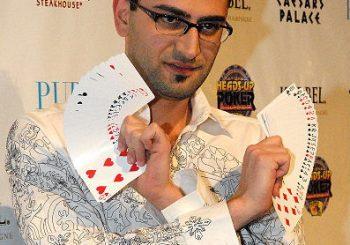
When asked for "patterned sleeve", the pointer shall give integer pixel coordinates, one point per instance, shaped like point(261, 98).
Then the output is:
point(53, 206)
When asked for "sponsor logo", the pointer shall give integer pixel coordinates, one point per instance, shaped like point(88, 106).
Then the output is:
point(317, 97)
point(235, 91)
point(53, 92)
point(300, 11)
point(240, 13)
point(65, 4)
point(9, 233)
point(4, 221)
point(319, 191)
point(6, 236)
point(240, 4)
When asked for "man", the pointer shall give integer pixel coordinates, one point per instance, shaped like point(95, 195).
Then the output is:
point(189, 199)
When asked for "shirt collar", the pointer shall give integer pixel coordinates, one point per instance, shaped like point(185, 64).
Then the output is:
point(202, 110)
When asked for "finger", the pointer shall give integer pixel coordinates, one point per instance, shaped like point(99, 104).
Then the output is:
point(154, 135)
point(122, 143)
point(139, 152)
point(277, 187)
point(263, 152)
point(283, 161)
point(276, 150)
point(272, 141)
point(131, 158)
point(275, 161)
point(148, 144)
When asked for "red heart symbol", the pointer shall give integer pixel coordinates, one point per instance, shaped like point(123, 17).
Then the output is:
point(110, 132)
point(134, 168)
point(90, 173)
point(112, 138)
point(108, 162)
point(123, 153)
point(118, 178)
point(112, 66)
point(101, 189)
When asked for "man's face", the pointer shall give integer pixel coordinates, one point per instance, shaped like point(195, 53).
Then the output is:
point(174, 67)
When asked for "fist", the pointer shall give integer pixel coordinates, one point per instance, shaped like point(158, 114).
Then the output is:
point(264, 165)
point(150, 145)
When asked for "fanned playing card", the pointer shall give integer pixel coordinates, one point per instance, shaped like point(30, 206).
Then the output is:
point(293, 117)
point(92, 121)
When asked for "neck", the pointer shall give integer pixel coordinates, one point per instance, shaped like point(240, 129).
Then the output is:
point(171, 115)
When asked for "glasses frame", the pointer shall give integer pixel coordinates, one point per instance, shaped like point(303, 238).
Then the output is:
point(155, 16)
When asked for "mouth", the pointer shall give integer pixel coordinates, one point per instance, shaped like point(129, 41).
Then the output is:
point(181, 68)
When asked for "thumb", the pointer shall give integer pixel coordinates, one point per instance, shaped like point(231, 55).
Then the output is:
point(152, 135)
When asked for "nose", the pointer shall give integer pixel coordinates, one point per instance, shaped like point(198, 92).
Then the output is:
point(188, 45)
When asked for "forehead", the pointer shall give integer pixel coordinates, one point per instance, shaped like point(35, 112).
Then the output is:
point(194, 8)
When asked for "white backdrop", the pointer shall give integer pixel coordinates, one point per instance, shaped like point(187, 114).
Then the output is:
point(45, 49)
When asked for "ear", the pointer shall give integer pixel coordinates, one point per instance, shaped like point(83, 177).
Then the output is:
point(121, 9)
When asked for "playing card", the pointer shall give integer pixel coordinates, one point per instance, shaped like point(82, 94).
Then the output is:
point(293, 117)
point(92, 121)
point(286, 205)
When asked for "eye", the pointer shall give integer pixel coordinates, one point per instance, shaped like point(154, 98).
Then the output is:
point(169, 22)
point(209, 28)
point(170, 19)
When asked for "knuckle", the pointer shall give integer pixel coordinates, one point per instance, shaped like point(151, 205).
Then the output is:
point(277, 139)
point(154, 125)
point(250, 149)
point(256, 153)
point(128, 119)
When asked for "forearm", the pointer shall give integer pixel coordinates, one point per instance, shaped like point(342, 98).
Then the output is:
point(165, 197)
point(240, 212)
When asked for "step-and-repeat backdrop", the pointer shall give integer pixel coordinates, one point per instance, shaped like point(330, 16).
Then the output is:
point(47, 45)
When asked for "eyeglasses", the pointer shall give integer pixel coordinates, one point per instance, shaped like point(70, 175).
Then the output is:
point(210, 31)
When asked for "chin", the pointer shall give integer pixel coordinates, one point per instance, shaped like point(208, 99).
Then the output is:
point(172, 93)
point(175, 86)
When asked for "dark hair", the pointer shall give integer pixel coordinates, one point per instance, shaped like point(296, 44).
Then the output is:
point(134, 2)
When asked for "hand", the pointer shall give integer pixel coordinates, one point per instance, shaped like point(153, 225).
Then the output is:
point(264, 165)
point(150, 145)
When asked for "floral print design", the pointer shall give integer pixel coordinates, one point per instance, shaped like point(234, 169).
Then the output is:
point(196, 226)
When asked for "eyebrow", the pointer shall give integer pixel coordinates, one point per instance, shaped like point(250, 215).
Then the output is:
point(184, 14)
point(173, 10)
point(215, 18)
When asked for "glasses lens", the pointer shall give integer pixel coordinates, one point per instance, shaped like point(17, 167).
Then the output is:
point(208, 31)
point(213, 32)
point(170, 25)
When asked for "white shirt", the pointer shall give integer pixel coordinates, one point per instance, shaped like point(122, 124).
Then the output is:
point(54, 206)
